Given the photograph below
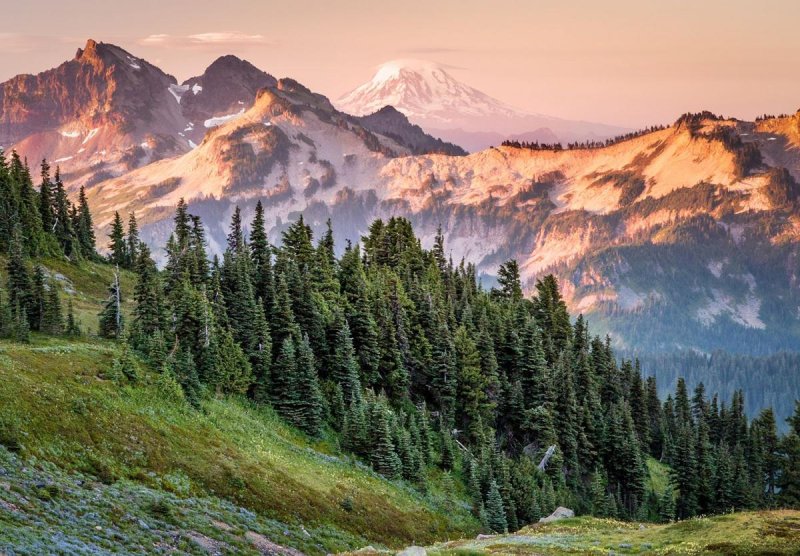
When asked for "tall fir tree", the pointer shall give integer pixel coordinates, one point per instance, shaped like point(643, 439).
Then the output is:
point(118, 248)
point(85, 227)
point(132, 243)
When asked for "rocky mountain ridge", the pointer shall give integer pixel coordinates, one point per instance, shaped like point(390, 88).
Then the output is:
point(107, 112)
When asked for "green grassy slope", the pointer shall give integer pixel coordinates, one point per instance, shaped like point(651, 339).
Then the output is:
point(58, 405)
point(61, 405)
point(749, 533)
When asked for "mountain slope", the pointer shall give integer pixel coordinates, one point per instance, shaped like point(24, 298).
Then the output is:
point(700, 194)
point(230, 461)
point(708, 195)
point(227, 87)
point(431, 97)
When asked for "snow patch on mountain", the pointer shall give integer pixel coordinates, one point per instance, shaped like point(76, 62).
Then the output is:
point(219, 120)
point(178, 91)
point(745, 313)
point(91, 134)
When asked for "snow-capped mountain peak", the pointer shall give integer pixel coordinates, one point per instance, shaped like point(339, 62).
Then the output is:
point(429, 95)
point(424, 91)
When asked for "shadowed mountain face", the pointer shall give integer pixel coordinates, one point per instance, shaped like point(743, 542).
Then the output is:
point(102, 85)
point(98, 115)
point(392, 123)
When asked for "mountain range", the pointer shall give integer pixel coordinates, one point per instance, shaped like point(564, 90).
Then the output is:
point(683, 237)
point(430, 96)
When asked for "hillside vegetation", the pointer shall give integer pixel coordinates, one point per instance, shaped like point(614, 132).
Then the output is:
point(750, 533)
point(138, 444)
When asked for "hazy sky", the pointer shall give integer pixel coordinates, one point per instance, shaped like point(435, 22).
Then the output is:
point(629, 62)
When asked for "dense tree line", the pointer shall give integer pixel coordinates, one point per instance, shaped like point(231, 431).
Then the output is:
point(765, 379)
point(35, 223)
point(577, 145)
point(42, 219)
point(763, 117)
point(413, 364)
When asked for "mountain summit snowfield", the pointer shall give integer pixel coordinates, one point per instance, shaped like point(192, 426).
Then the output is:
point(431, 97)
point(423, 90)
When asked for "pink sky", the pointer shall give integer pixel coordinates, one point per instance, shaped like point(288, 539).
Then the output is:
point(624, 62)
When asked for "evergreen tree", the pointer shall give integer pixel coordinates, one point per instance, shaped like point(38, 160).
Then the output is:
point(236, 235)
point(183, 367)
point(383, 455)
point(283, 386)
point(84, 227)
point(232, 371)
point(132, 243)
point(789, 480)
point(36, 308)
point(495, 512)
point(20, 287)
point(345, 370)
point(6, 316)
point(471, 384)
point(72, 328)
point(36, 239)
point(148, 315)
point(261, 356)
point(355, 435)
point(46, 202)
point(53, 319)
point(510, 283)
point(118, 246)
point(362, 324)
point(684, 472)
point(666, 506)
point(309, 406)
point(62, 225)
point(20, 329)
point(261, 254)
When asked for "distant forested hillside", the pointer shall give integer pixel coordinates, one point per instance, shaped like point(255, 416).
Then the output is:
point(770, 381)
